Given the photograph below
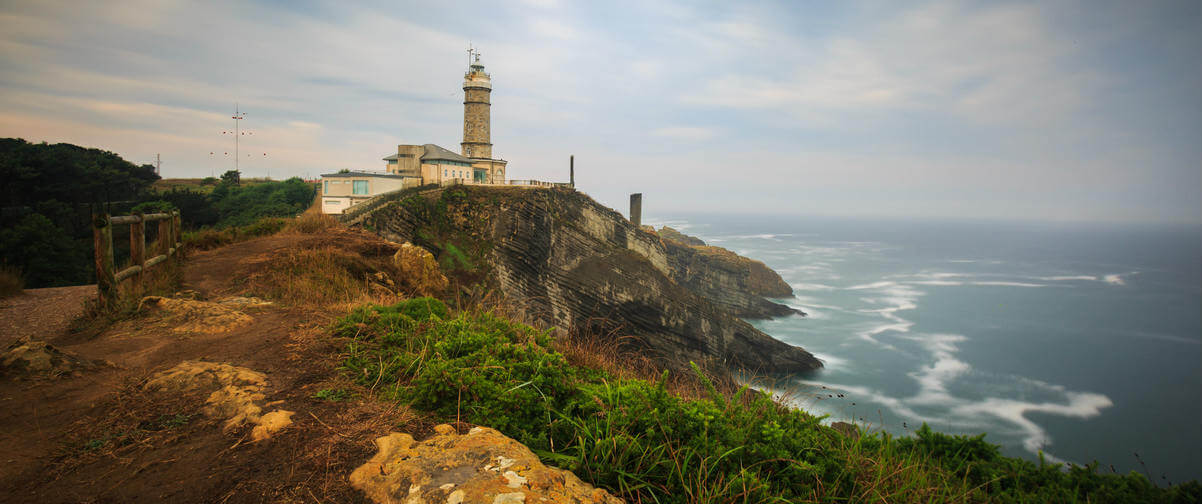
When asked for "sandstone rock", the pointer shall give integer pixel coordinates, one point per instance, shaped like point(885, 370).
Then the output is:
point(668, 233)
point(38, 359)
point(236, 394)
point(569, 262)
point(190, 315)
point(419, 270)
point(482, 466)
point(728, 279)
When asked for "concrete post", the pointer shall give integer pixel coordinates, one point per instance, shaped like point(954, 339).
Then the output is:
point(636, 209)
point(572, 170)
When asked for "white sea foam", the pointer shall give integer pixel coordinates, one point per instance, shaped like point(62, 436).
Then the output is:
point(1035, 438)
point(811, 286)
point(874, 285)
point(1066, 278)
point(1117, 278)
point(967, 414)
point(1008, 284)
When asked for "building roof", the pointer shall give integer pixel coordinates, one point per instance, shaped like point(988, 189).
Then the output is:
point(365, 174)
point(434, 152)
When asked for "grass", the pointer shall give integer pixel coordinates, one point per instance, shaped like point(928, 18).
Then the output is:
point(666, 439)
point(12, 282)
point(208, 238)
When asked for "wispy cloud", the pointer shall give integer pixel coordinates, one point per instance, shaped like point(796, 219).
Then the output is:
point(1015, 109)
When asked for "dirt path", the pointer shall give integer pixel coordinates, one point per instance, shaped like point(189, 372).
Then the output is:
point(48, 426)
point(42, 314)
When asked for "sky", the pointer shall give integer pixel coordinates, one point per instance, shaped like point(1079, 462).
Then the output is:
point(1063, 111)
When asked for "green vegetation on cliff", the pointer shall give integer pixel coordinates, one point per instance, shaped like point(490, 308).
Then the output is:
point(648, 443)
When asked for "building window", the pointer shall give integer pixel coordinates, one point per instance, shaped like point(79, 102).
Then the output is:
point(360, 187)
point(444, 172)
point(327, 187)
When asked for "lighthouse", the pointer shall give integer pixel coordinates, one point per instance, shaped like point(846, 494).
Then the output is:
point(477, 114)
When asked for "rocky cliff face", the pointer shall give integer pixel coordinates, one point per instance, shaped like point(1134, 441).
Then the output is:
point(734, 282)
point(575, 264)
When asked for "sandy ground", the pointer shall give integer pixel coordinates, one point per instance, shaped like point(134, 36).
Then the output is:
point(42, 314)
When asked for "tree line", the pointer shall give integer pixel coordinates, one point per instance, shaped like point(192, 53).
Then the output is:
point(48, 193)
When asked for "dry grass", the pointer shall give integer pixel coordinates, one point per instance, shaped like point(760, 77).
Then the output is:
point(312, 221)
point(325, 276)
point(11, 281)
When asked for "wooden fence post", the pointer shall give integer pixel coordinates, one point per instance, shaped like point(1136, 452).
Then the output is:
point(164, 237)
point(137, 252)
point(177, 236)
point(102, 240)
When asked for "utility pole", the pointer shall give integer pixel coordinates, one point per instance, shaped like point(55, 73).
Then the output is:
point(237, 117)
point(158, 165)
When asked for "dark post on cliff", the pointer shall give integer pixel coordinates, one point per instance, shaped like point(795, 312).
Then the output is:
point(572, 170)
point(636, 209)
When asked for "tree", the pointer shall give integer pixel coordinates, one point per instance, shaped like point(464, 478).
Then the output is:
point(232, 177)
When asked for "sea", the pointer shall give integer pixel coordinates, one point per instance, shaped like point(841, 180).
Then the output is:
point(1078, 341)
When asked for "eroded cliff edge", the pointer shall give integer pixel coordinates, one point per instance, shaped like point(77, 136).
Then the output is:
point(573, 263)
point(732, 281)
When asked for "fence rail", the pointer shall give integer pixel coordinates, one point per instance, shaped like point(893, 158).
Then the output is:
point(107, 278)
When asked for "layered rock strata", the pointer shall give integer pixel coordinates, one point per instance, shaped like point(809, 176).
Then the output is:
point(574, 264)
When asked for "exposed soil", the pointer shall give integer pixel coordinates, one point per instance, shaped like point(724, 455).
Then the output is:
point(42, 313)
point(102, 437)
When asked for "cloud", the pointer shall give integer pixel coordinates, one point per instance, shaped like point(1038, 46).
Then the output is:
point(687, 133)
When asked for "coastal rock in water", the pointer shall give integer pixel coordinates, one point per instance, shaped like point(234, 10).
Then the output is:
point(572, 263)
point(482, 466)
point(419, 270)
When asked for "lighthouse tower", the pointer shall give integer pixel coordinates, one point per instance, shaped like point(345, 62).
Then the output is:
point(477, 88)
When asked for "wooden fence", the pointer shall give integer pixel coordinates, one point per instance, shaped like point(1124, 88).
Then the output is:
point(107, 278)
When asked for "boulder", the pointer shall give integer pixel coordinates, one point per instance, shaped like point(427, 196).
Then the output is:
point(236, 394)
point(38, 359)
point(482, 466)
point(193, 316)
point(419, 271)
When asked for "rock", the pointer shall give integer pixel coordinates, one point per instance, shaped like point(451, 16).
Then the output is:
point(236, 392)
point(728, 279)
point(482, 466)
point(569, 262)
point(190, 315)
point(38, 359)
point(419, 270)
point(846, 429)
point(668, 233)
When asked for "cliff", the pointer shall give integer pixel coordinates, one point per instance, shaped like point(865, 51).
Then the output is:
point(737, 283)
point(575, 264)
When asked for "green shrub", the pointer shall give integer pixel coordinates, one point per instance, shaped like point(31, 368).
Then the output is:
point(647, 444)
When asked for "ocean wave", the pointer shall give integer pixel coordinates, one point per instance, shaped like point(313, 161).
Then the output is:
point(1007, 284)
point(811, 286)
point(1117, 278)
point(970, 415)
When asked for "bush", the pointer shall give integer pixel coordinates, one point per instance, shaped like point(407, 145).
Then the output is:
point(649, 445)
point(11, 281)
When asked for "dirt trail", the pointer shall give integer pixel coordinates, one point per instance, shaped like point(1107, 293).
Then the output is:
point(42, 314)
point(69, 440)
